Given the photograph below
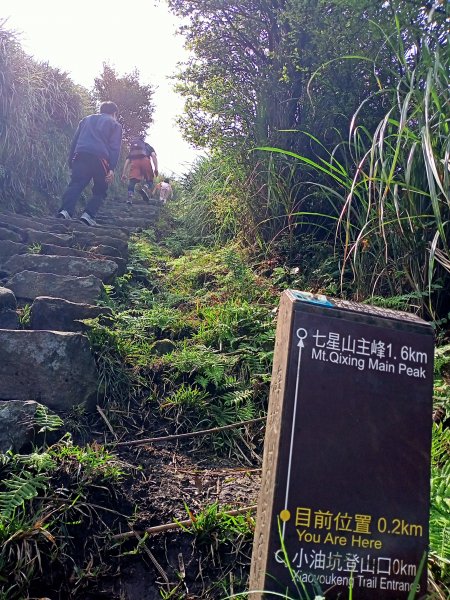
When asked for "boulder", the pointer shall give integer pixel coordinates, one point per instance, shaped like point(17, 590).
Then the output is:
point(22, 222)
point(8, 249)
point(88, 238)
point(33, 236)
point(7, 234)
point(16, 424)
point(55, 368)
point(9, 319)
point(61, 265)
point(61, 315)
point(28, 285)
point(52, 250)
point(7, 299)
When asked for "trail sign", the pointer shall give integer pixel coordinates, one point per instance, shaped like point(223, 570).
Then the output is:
point(344, 499)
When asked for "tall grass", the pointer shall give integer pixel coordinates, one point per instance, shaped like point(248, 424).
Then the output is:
point(39, 110)
point(390, 189)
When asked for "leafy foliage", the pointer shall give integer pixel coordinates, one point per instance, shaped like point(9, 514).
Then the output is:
point(133, 98)
point(39, 109)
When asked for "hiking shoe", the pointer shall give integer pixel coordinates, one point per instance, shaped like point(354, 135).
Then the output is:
point(63, 214)
point(86, 218)
point(129, 203)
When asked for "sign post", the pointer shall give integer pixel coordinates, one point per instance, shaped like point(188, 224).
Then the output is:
point(344, 500)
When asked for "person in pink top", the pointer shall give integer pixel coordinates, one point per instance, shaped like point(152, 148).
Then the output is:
point(164, 189)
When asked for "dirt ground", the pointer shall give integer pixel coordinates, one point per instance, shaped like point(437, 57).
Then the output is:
point(167, 482)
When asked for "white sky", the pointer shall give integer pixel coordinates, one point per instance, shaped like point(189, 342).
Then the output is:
point(79, 35)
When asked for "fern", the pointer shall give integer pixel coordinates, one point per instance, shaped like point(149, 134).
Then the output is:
point(39, 461)
point(19, 489)
point(46, 421)
point(440, 498)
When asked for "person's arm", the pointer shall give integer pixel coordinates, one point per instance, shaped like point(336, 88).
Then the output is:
point(73, 145)
point(170, 193)
point(115, 142)
point(155, 163)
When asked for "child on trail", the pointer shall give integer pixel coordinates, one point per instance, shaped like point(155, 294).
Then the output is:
point(141, 166)
point(164, 189)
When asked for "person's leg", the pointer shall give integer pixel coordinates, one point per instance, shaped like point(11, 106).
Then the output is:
point(131, 185)
point(99, 189)
point(80, 177)
point(151, 189)
point(131, 189)
point(145, 191)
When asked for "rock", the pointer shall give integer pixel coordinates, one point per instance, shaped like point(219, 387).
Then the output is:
point(8, 249)
point(55, 368)
point(33, 236)
point(52, 250)
point(9, 319)
point(7, 234)
point(22, 222)
point(7, 299)
point(162, 347)
point(16, 424)
point(87, 238)
point(28, 285)
point(61, 265)
point(61, 315)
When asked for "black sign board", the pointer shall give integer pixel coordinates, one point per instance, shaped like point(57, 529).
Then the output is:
point(346, 473)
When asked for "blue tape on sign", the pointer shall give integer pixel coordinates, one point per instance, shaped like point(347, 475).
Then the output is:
point(311, 298)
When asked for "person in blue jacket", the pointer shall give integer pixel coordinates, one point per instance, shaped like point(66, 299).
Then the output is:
point(94, 154)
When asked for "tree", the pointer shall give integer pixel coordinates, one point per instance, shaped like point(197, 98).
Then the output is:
point(247, 82)
point(134, 99)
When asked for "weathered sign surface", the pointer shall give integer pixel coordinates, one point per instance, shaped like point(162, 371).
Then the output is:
point(345, 490)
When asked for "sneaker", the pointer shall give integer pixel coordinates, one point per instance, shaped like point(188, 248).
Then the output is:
point(129, 202)
point(86, 218)
point(63, 214)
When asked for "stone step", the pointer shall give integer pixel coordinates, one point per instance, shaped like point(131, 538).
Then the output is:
point(17, 223)
point(57, 314)
point(88, 242)
point(61, 265)
point(12, 236)
point(52, 250)
point(133, 223)
point(8, 249)
point(28, 285)
point(53, 225)
point(9, 318)
point(56, 369)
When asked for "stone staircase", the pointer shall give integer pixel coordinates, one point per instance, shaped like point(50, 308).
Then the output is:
point(58, 268)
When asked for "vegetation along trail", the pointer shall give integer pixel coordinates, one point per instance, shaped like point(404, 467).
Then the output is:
point(136, 355)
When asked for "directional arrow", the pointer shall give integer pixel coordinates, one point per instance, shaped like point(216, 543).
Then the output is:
point(301, 334)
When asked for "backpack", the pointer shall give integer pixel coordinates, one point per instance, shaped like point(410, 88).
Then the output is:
point(137, 149)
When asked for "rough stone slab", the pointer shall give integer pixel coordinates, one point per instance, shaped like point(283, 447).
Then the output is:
point(106, 251)
point(56, 369)
point(134, 222)
point(61, 265)
point(110, 230)
point(57, 314)
point(7, 299)
point(8, 249)
point(16, 424)
point(8, 234)
point(22, 222)
point(28, 285)
point(34, 236)
point(52, 250)
point(9, 319)
point(87, 238)
point(84, 241)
